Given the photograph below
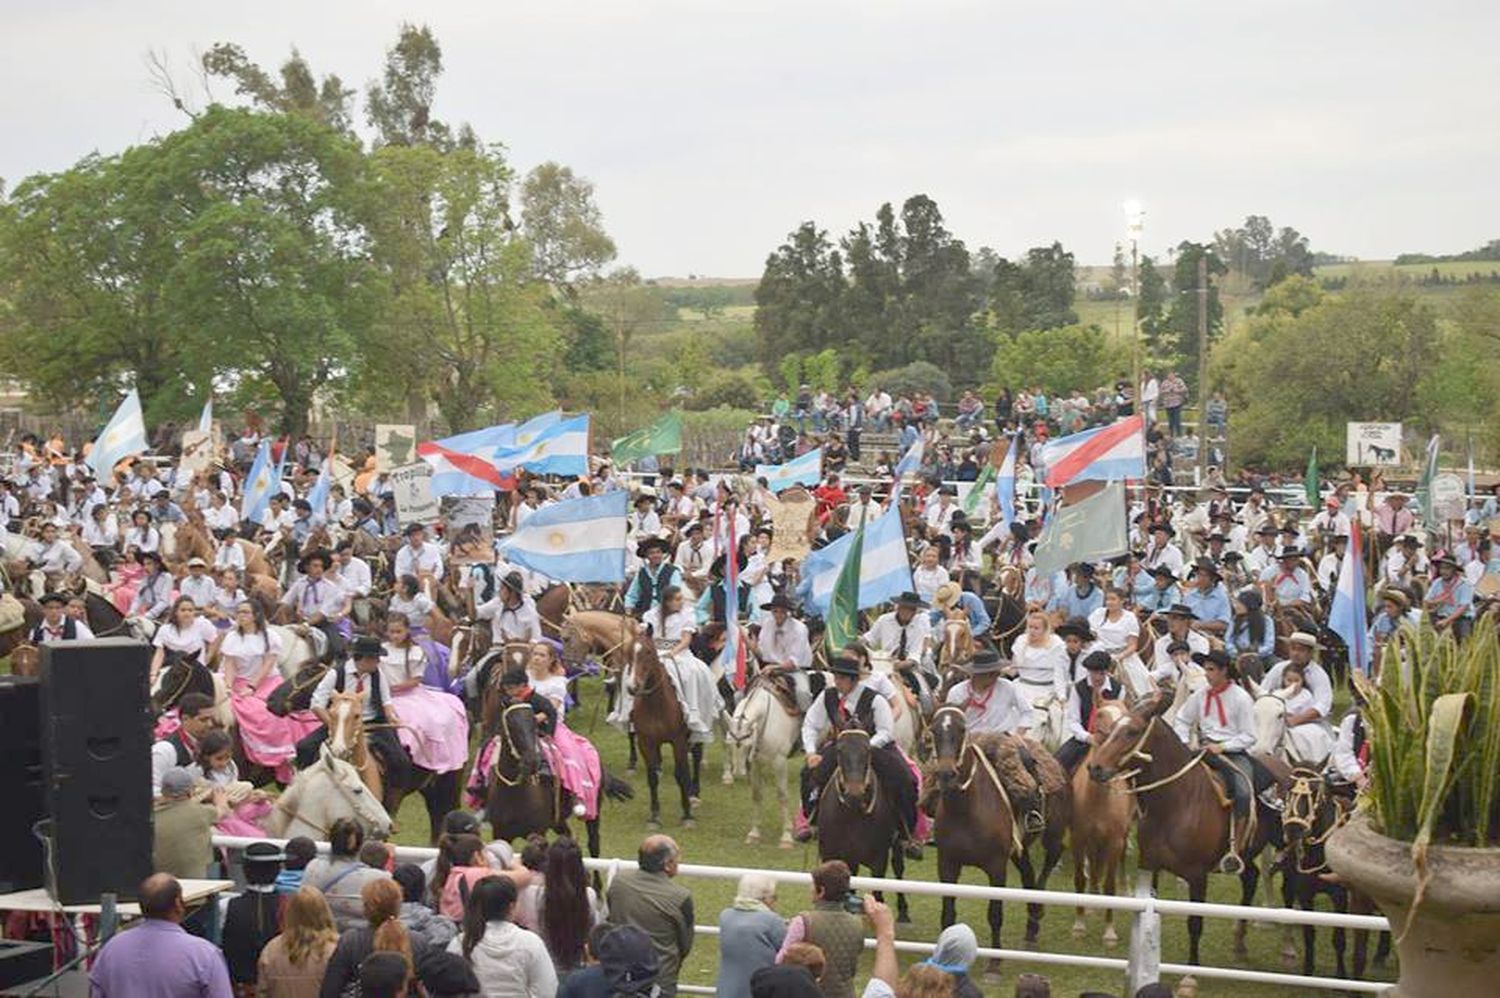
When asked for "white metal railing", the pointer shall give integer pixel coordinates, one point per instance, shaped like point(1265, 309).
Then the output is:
point(1142, 966)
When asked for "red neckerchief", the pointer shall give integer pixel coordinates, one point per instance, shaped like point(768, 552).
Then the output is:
point(1212, 700)
point(977, 703)
point(1447, 590)
point(1095, 695)
point(1284, 574)
point(524, 696)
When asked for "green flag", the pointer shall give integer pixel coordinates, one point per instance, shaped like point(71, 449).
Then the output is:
point(1090, 530)
point(843, 604)
point(971, 501)
point(1312, 479)
point(662, 437)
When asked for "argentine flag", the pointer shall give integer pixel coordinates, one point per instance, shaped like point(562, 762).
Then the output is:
point(260, 484)
point(911, 461)
point(1346, 615)
point(1005, 483)
point(122, 436)
point(317, 496)
point(560, 447)
point(576, 540)
point(804, 470)
point(206, 417)
point(884, 571)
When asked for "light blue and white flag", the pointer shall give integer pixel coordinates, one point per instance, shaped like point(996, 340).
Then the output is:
point(805, 470)
point(884, 571)
point(1005, 483)
point(206, 417)
point(317, 496)
point(528, 432)
point(560, 448)
point(122, 436)
point(576, 540)
point(260, 485)
point(911, 461)
point(1346, 615)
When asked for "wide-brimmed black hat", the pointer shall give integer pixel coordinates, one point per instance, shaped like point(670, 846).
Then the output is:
point(845, 665)
point(46, 598)
point(1291, 552)
point(911, 600)
point(1444, 559)
point(141, 556)
point(1267, 529)
point(1076, 626)
point(514, 582)
point(986, 662)
point(321, 554)
point(366, 646)
point(1207, 565)
point(650, 544)
point(1162, 570)
point(1163, 526)
point(779, 600)
point(415, 528)
point(1219, 657)
point(1180, 610)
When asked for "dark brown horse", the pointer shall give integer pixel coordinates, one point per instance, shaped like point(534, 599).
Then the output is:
point(857, 819)
point(973, 823)
point(658, 719)
point(1312, 813)
point(1184, 814)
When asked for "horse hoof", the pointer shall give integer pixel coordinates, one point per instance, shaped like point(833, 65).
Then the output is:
point(689, 822)
point(752, 839)
point(786, 841)
point(1111, 937)
point(1288, 960)
point(727, 780)
point(695, 800)
point(1080, 929)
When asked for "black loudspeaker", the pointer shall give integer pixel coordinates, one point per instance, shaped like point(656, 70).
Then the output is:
point(20, 783)
point(96, 761)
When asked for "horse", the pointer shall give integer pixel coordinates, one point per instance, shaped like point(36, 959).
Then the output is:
point(1101, 819)
point(857, 823)
point(957, 646)
point(1305, 745)
point(513, 655)
point(553, 606)
point(763, 733)
point(522, 798)
point(658, 719)
point(1310, 815)
point(1184, 813)
point(1057, 811)
point(1009, 613)
point(321, 794)
point(601, 635)
point(299, 647)
point(106, 621)
point(346, 738)
point(973, 821)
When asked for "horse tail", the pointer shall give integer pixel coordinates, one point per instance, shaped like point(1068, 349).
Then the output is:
point(615, 788)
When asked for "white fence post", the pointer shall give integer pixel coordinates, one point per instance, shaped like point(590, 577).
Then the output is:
point(1144, 966)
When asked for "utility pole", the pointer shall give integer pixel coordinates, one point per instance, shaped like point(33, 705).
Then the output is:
point(1202, 365)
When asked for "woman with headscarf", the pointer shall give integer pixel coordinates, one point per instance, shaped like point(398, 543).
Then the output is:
point(750, 935)
point(955, 952)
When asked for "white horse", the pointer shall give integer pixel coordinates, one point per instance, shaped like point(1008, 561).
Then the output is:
point(1190, 679)
point(297, 650)
point(328, 790)
point(762, 734)
point(1305, 746)
point(905, 726)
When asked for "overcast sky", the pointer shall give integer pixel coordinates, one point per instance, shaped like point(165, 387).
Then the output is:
point(712, 128)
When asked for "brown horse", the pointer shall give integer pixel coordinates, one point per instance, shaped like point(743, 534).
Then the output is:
point(1184, 810)
point(857, 821)
point(1102, 814)
point(658, 719)
point(973, 822)
point(957, 647)
point(347, 741)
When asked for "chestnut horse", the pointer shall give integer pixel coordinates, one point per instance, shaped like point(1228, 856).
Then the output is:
point(1184, 810)
point(973, 821)
point(1102, 814)
point(658, 719)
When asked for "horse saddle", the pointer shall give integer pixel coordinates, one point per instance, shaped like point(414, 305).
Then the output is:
point(314, 637)
point(779, 684)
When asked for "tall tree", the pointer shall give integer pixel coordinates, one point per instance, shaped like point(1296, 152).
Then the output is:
point(799, 295)
point(1260, 253)
point(1151, 306)
point(1180, 330)
point(399, 106)
point(1037, 292)
point(297, 92)
point(564, 225)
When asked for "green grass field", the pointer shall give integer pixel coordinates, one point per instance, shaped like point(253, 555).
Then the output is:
point(1385, 268)
point(718, 840)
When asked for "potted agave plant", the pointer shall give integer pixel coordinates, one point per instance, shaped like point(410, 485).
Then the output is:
point(1425, 843)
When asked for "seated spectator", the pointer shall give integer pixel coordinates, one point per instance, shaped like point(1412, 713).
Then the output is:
point(299, 851)
point(382, 932)
point(750, 935)
point(342, 877)
point(509, 961)
point(293, 964)
point(421, 921)
point(788, 981)
point(809, 958)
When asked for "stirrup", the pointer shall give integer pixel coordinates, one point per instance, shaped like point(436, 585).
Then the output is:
point(1232, 864)
point(1033, 821)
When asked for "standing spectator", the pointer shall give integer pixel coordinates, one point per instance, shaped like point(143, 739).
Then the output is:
point(253, 918)
point(342, 877)
point(509, 961)
point(182, 842)
point(750, 935)
point(157, 959)
point(831, 928)
point(1173, 396)
point(648, 899)
point(293, 964)
point(1004, 406)
point(1216, 416)
point(568, 907)
point(1150, 393)
point(956, 949)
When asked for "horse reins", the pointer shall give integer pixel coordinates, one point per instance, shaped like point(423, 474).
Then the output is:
point(967, 747)
point(1139, 752)
point(838, 778)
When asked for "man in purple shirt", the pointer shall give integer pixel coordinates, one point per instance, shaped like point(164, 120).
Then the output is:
point(157, 959)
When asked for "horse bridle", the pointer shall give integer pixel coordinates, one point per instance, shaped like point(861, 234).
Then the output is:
point(508, 749)
point(1308, 785)
point(838, 777)
point(1139, 752)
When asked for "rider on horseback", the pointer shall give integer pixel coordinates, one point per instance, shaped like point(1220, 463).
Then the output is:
point(995, 706)
point(318, 600)
point(1084, 699)
point(852, 704)
point(1224, 716)
point(783, 648)
point(362, 674)
point(1287, 584)
point(905, 635)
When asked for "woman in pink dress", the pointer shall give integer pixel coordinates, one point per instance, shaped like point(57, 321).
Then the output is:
point(215, 769)
point(573, 757)
point(247, 656)
point(434, 726)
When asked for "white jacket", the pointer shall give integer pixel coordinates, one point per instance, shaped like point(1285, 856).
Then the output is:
point(510, 962)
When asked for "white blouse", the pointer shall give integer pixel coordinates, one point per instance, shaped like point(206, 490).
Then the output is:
point(251, 648)
point(1112, 634)
point(927, 580)
point(1040, 667)
point(399, 665)
point(670, 631)
point(554, 688)
point(195, 639)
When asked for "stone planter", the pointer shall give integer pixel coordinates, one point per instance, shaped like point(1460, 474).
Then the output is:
point(1453, 947)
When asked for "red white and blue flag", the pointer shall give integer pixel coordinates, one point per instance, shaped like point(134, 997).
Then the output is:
point(1346, 615)
point(1113, 453)
point(464, 465)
